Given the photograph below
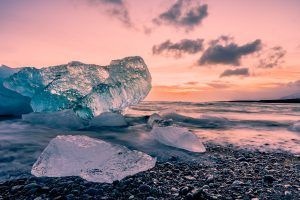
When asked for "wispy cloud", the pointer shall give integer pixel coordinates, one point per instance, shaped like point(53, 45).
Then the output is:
point(184, 46)
point(115, 8)
point(272, 57)
point(219, 85)
point(235, 72)
point(191, 83)
point(185, 14)
point(295, 84)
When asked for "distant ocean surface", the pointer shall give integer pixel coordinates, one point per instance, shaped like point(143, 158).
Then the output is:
point(253, 126)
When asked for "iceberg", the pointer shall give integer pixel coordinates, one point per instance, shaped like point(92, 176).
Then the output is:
point(92, 159)
point(11, 103)
point(6, 71)
point(108, 119)
point(87, 89)
point(65, 119)
point(178, 137)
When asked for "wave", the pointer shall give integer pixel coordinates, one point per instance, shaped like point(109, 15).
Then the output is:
point(205, 121)
point(214, 122)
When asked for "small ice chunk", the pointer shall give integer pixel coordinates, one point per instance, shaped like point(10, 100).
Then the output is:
point(154, 119)
point(65, 119)
point(178, 137)
point(108, 119)
point(296, 126)
point(92, 159)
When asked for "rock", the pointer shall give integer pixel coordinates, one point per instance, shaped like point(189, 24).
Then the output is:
point(92, 159)
point(184, 190)
point(210, 179)
point(288, 195)
point(150, 198)
point(54, 192)
point(200, 194)
point(237, 184)
point(16, 188)
point(131, 197)
point(144, 188)
point(269, 179)
point(174, 190)
point(242, 159)
point(31, 186)
point(190, 178)
point(91, 191)
point(70, 197)
point(87, 89)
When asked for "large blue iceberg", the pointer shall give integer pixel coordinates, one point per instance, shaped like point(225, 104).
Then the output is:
point(87, 89)
point(11, 103)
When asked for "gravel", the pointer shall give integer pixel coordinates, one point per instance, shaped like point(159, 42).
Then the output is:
point(230, 174)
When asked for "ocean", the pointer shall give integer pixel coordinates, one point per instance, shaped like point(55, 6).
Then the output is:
point(251, 126)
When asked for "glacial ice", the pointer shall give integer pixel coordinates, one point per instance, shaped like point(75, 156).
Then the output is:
point(155, 119)
point(65, 119)
point(91, 159)
point(178, 137)
point(296, 126)
point(6, 71)
point(108, 119)
point(11, 103)
point(87, 89)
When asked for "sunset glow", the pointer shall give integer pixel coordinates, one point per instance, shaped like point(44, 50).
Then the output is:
point(43, 33)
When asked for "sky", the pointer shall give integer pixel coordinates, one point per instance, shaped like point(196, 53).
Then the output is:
point(196, 50)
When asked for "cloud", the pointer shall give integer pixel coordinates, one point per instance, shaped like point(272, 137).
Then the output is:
point(272, 58)
point(219, 85)
point(115, 8)
point(184, 46)
point(191, 83)
point(235, 72)
point(186, 14)
point(295, 84)
point(229, 53)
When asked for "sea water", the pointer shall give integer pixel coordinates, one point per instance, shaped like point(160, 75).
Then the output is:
point(252, 126)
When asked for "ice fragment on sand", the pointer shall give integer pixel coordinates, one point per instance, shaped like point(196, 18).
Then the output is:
point(92, 159)
point(178, 137)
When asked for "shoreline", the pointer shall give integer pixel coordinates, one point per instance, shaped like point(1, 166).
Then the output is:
point(224, 173)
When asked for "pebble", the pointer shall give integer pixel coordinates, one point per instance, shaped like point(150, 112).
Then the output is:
point(210, 179)
point(144, 188)
point(269, 179)
point(150, 198)
point(221, 174)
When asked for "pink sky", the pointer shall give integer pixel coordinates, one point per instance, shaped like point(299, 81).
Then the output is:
point(42, 33)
